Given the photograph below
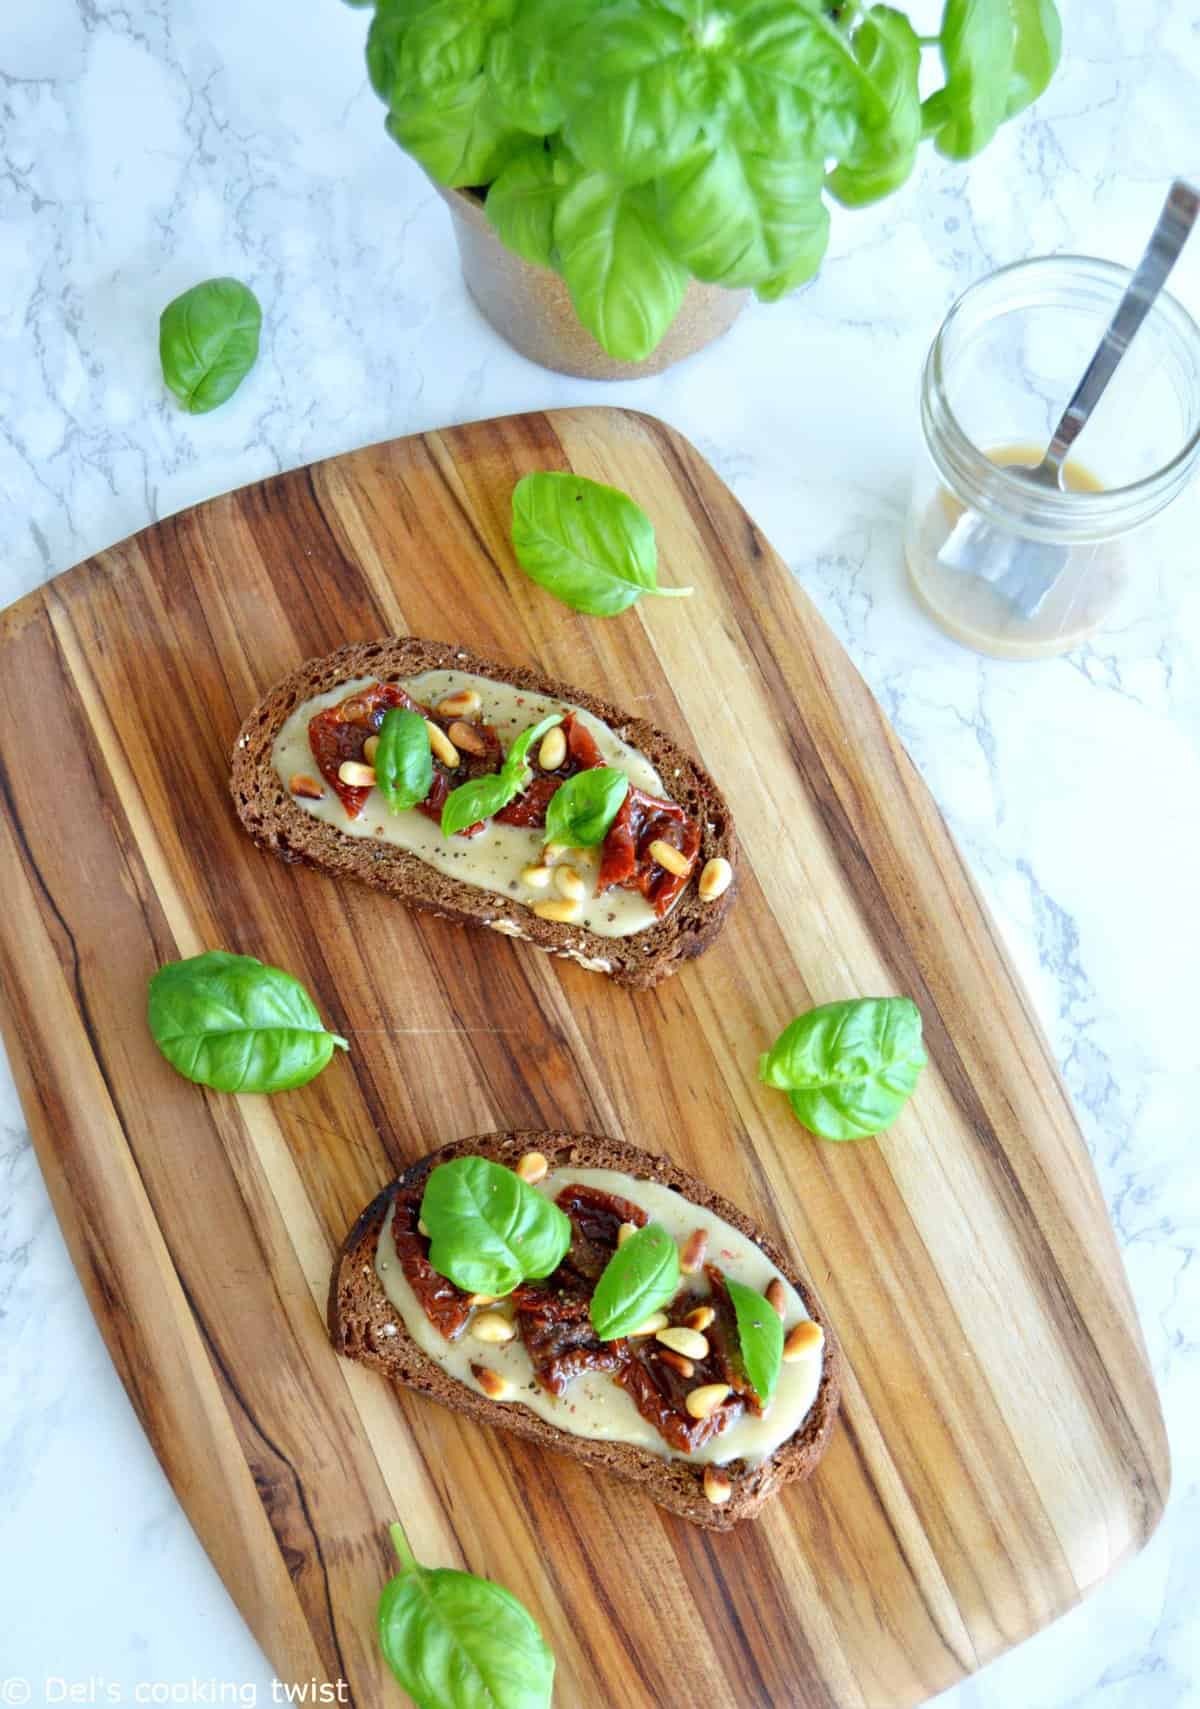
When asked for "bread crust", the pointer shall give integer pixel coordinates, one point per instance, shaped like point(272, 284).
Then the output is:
point(364, 1325)
point(276, 823)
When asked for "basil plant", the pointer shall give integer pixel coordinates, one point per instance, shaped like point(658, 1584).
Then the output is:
point(632, 145)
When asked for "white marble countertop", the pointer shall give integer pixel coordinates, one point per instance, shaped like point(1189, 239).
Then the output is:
point(145, 147)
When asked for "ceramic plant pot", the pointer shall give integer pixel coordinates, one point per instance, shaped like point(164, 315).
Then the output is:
point(531, 307)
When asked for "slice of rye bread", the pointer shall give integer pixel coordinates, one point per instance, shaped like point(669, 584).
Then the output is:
point(276, 822)
point(366, 1326)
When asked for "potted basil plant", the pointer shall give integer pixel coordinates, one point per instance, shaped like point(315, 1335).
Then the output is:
point(623, 172)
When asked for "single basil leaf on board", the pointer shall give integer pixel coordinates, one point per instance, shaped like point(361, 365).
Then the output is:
point(760, 1336)
point(481, 797)
point(403, 759)
point(848, 1068)
point(208, 342)
point(884, 150)
point(489, 1230)
point(455, 1641)
point(625, 284)
point(640, 1277)
point(229, 1022)
point(588, 544)
point(582, 810)
point(978, 44)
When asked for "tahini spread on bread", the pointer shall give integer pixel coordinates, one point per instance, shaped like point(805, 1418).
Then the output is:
point(630, 1390)
point(625, 889)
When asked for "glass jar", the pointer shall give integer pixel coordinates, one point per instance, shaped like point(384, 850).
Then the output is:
point(996, 380)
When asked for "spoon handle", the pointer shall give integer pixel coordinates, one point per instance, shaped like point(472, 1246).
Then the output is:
point(1167, 239)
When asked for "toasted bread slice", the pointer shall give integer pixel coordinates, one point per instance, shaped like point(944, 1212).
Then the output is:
point(365, 1326)
point(276, 822)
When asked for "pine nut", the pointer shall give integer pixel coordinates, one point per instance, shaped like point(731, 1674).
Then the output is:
point(677, 1362)
point(700, 1318)
point(442, 746)
point(689, 1342)
point(553, 750)
point(533, 1167)
point(715, 879)
point(704, 1401)
point(695, 1249)
point(306, 786)
point(570, 883)
point(370, 749)
point(656, 1321)
point(465, 704)
point(626, 1232)
point(357, 776)
point(483, 1299)
point(492, 1326)
point(776, 1297)
point(464, 737)
point(421, 1228)
point(803, 1341)
point(536, 877)
point(670, 858)
point(717, 1486)
point(554, 851)
point(491, 1382)
point(565, 913)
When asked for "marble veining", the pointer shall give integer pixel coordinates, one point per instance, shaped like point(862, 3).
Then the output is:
point(142, 148)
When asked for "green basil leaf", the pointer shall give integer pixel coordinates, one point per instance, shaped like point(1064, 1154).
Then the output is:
point(1036, 52)
point(849, 1068)
point(481, 797)
point(760, 1336)
point(978, 44)
point(521, 204)
point(489, 1230)
point(739, 218)
point(884, 152)
point(403, 759)
point(589, 545)
point(624, 282)
point(641, 1277)
point(460, 139)
point(229, 1022)
point(582, 810)
point(455, 1641)
point(208, 342)
point(524, 62)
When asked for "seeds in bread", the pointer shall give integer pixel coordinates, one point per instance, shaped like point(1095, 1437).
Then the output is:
point(274, 820)
point(364, 1325)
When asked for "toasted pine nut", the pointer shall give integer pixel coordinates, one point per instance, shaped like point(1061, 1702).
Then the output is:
point(464, 737)
point(492, 1326)
point(421, 1228)
point(656, 1321)
point(570, 884)
point(626, 1232)
point(700, 1318)
point(803, 1341)
point(483, 1299)
point(370, 749)
point(715, 879)
point(533, 1167)
point(465, 704)
point(670, 858)
point(689, 1342)
point(302, 784)
point(553, 852)
point(536, 877)
point(441, 744)
point(695, 1248)
point(491, 1382)
point(776, 1297)
point(565, 912)
point(704, 1401)
point(553, 750)
point(357, 776)
point(355, 711)
point(717, 1485)
point(677, 1362)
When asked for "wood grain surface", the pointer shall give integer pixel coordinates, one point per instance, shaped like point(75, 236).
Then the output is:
point(1001, 1447)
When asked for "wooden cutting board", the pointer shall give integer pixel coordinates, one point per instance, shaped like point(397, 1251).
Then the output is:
point(1001, 1448)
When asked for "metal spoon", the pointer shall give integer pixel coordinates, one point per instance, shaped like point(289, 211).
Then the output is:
point(1022, 570)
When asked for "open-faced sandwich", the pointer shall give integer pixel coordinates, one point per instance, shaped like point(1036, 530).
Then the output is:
point(599, 1301)
point(492, 796)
